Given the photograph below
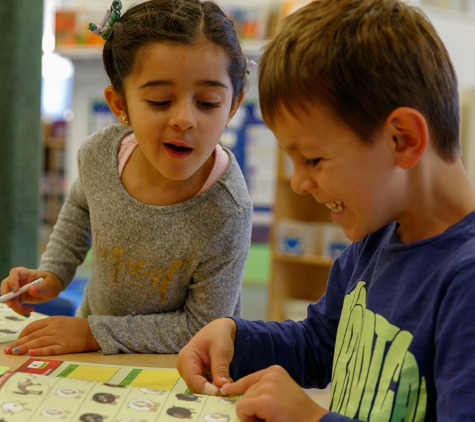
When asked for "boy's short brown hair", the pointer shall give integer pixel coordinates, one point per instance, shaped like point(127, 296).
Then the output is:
point(363, 59)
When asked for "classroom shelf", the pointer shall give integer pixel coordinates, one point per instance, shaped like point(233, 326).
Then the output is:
point(310, 260)
point(295, 278)
point(53, 177)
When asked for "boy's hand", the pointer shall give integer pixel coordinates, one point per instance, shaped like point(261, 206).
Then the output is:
point(54, 335)
point(210, 351)
point(48, 289)
point(272, 395)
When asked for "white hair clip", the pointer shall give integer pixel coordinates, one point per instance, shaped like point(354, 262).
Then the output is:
point(250, 65)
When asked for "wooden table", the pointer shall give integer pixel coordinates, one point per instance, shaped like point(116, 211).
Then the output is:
point(136, 359)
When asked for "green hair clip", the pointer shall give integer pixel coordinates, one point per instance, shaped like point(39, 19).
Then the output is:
point(104, 29)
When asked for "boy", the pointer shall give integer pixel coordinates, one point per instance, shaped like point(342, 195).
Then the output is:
point(363, 97)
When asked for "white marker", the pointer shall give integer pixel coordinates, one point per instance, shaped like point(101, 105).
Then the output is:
point(21, 290)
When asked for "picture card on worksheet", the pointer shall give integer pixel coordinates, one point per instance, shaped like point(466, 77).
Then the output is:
point(12, 324)
point(28, 397)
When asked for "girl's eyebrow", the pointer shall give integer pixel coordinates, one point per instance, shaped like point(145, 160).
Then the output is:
point(218, 84)
point(164, 82)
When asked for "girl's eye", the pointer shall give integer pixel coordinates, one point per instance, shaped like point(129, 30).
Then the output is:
point(159, 104)
point(207, 105)
point(313, 162)
point(201, 104)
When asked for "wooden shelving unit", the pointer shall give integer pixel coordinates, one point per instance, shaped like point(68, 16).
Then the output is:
point(294, 277)
point(52, 182)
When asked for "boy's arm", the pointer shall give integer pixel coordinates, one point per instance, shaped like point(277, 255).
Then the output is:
point(454, 342)
point(289, 344)
point(304, 349)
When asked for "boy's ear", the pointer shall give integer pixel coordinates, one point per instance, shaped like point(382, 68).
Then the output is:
point(409, 135)
point(116, 103)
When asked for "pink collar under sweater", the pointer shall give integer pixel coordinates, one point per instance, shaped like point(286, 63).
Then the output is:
point(221, 160)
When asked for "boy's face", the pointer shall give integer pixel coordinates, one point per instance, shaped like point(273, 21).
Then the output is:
point(355, 180)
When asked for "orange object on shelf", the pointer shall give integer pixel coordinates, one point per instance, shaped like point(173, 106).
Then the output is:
point(71, 29)
point(65, 27)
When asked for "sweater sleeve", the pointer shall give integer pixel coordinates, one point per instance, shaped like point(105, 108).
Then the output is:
point(71, 238)
point(214, 292)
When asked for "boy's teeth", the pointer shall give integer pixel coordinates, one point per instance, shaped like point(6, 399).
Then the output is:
point(336, 206)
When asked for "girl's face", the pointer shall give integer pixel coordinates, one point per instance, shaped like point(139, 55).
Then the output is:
point(360, 183)
point(178, 100)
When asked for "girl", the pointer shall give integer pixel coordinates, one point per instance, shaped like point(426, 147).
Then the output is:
point(163, 206)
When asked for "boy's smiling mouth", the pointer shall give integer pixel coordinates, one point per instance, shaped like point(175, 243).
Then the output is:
point(335, 206)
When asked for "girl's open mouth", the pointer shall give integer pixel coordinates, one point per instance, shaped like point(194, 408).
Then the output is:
point(177, 151)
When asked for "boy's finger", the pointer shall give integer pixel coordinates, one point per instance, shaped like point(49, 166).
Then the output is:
point(192, 371)
point(197, 384)
point(219, 364)
point(241, 386)
point(220, 374)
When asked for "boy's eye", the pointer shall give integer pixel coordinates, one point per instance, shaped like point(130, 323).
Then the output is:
point(313, 162)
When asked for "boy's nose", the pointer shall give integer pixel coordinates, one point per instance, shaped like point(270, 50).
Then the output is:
point(301, 182)
point(183, 118)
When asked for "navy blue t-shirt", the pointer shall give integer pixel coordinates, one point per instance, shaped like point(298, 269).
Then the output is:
point(394, 332)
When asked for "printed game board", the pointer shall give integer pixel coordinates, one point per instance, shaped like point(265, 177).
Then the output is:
point(11, 324)
point(27, 397)
point(154, 378)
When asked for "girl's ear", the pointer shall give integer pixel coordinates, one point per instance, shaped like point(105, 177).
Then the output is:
point(235, 106)
point(408, 135)
point(116, 103)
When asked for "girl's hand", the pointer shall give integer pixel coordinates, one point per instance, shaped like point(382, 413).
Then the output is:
point(48, 289)
point(208, 355)
point(54, 335)
point(272, 395)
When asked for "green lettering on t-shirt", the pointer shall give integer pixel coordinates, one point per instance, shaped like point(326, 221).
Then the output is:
point(375, 376)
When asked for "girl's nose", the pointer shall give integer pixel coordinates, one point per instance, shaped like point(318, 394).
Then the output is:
point(183, 117)
point(301, 182)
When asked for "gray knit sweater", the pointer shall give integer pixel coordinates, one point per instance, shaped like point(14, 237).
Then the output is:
point(160, 273)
